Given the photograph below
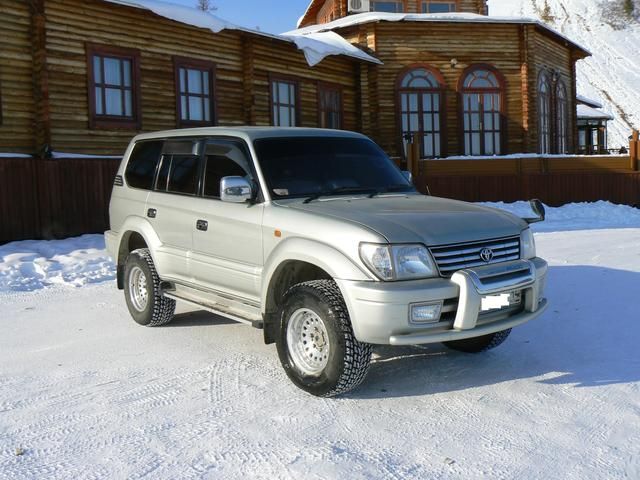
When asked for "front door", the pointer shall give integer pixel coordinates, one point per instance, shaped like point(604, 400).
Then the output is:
point(227, 240)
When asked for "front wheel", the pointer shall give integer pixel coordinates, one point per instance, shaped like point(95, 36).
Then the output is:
point(316, 344)
point(479, 344)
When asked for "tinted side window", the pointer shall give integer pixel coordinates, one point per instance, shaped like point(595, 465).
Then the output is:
point(185, 172)
point(224, 159)
point(143, 161)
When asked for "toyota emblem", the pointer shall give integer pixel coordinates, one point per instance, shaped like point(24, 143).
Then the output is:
point(486, 254)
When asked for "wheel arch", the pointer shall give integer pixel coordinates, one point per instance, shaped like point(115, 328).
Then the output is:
point(295, 261)
point(137, 233)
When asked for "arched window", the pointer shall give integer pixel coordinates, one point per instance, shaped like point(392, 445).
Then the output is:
point(562, 118)
point(420, 91)
point(482, 91)
point(544, 112)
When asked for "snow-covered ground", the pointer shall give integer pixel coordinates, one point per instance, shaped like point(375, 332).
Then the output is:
point(86, 393)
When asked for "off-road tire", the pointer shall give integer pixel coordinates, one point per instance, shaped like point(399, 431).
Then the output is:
point(349, 359)
point(159, 309)
point(479, 344)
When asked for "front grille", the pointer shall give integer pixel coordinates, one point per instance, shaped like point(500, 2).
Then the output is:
point(452, 258)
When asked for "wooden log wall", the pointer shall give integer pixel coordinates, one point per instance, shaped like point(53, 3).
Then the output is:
point(16, 87)
point(400, 45)
point(549, 54)
point(73, 23)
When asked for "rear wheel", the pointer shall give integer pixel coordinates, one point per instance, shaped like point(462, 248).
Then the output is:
point(316, 344)
point(479, 344)
point(142, 291)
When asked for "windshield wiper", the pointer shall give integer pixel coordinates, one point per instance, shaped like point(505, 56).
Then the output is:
point(338, 191)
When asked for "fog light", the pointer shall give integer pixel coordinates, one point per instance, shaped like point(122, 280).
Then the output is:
point(425, 312)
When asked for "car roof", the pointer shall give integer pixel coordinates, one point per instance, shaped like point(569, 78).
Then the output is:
point(249, 133)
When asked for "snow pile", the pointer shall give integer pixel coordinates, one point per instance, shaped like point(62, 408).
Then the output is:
point(180, 13)
point(577, 216)
point(611, 75)
point(32, 265)
point(318, 46)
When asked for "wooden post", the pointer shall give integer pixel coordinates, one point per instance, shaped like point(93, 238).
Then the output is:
point(634, 150)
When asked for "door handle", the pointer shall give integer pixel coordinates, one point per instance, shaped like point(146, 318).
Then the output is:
point(152, 213)
point(202, 225)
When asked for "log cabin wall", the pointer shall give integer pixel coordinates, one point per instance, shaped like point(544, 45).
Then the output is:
point(552, 56)
point(16, 83)
point(239, 58)
point(400, 45)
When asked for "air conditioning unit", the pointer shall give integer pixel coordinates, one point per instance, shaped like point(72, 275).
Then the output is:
point(359, 6)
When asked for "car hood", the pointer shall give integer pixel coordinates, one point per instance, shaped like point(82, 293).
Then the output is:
point(417, 218)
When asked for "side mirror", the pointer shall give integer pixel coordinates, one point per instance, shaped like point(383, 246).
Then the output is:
point(408, 175)
point(235, 190)
point(538, 208)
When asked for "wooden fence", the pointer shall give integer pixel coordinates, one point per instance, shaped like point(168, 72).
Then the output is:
point(46, 199)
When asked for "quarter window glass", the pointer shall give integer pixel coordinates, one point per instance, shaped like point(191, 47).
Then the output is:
point(142, 165)
point(223, 159)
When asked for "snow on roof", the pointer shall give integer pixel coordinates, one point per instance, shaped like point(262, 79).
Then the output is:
point(369, 17)
point(589, 101)
point(315, 49)
point(585, 111)
point(317, 46)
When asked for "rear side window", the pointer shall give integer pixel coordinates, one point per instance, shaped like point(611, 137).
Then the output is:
point(224, 158)
point(142, 165)
point(180, 169)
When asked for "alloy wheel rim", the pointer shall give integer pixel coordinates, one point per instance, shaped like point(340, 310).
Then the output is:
point(308, 342)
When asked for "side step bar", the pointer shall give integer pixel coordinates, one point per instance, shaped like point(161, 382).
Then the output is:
point(218, 311)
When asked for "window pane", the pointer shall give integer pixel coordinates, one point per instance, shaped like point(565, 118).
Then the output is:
point(182, 74)
point(437, 144)
point(404, 102)
point(127, 73)
point(183, 108)
point(488, 121)
point(427, 123)
point(195, 108)
point(284, 117)
point(113, 99)
point(184, 174)
point(413, 102)
point(207, 111)
point(428, 145)
point(97, 69)
point(128, 103)
point(390, 7)
point(99, 94)
point(142, 164)
point(438, 7)
point(426, 102)
point(497, 143)
point(195, 81)
point(414, 120)
point(475, 144)
point(112, 73)
point(205, 76)
point(292, 116)
point(488, 144)
point(283, 91)
point(475, 121)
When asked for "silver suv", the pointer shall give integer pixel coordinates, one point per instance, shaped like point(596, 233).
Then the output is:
point(316, 237)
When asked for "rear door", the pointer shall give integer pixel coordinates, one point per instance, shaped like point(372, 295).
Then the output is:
point(227, 244)
point(169, 207)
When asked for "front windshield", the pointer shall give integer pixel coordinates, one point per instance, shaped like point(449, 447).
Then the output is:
point(314, 166)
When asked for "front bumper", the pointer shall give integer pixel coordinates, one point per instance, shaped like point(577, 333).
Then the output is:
point(379, 311)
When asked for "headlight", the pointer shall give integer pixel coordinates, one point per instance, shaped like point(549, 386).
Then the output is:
point(527, 245)
point(398, 262)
